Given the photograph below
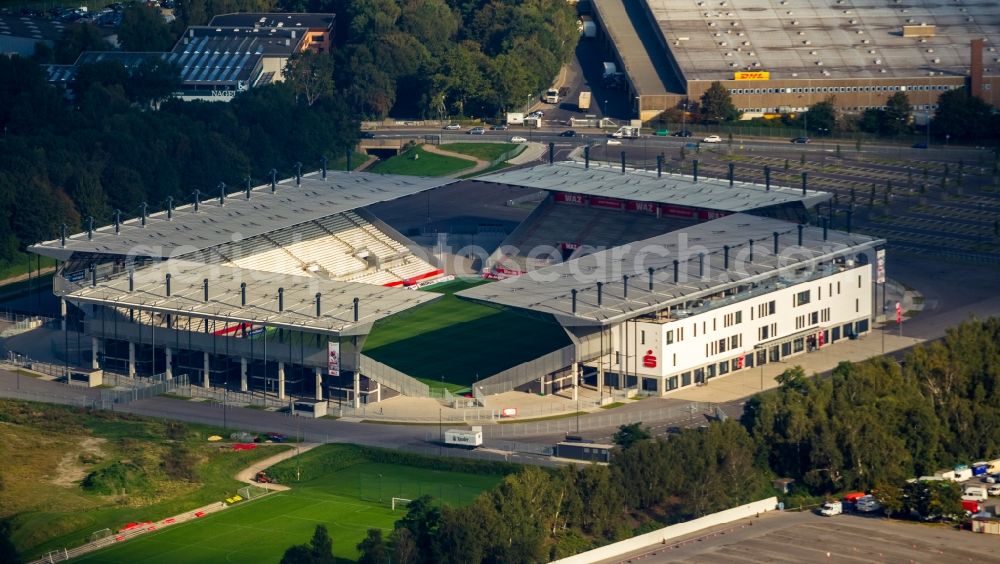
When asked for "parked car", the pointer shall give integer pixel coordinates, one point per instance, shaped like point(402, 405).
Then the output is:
point(867, 504)
point(831, 508)
point(277, 437)
point(499, 127)
point(991, 478)
point(453, 127)
point(662, 133)
point(801, 140)
point(993, 490)
point(682, 133)
point(712, 139)
point(518, 139)
point(568, 133)
point(477, 131)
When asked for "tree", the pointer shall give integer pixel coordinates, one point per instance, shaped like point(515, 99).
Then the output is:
point(152, 81)
point(822, 117)
point(896, 116)
point(717, 105)
point(8, 552)
point(372, 548)
point(76, 39)
point(629, 435)
point(311, 75)
point(404, 548)
point(891, 497)
point(144, 29)
point(963, 116)
point(318, 551)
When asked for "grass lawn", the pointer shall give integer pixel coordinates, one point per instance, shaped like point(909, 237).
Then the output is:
point(47, 450)
point(340, 162)
point(421, 341)
point(19, 265)
point(495, 168)
point(428, 164)
point(340, 488)
point(484, 151)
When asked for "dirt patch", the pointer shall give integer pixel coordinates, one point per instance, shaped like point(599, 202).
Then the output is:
point(71, 469)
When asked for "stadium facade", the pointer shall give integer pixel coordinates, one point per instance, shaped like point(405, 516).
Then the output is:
point(669, 281)
point(784, 57)
point(274, 288)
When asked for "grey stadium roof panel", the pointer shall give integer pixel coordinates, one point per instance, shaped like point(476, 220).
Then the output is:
point(641, 185)
point(820, 39)
point(549, 289)
point(241, 218)
point(225, 300)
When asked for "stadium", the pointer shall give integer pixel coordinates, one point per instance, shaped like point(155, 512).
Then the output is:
point(781, 57)
point(295, 289)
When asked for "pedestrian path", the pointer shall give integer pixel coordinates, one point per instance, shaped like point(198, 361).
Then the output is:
point(480, 164)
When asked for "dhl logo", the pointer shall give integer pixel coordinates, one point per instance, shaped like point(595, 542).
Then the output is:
point(752, 75)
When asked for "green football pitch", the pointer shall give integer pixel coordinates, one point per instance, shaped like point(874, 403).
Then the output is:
point(453, 342)
point(349, 501)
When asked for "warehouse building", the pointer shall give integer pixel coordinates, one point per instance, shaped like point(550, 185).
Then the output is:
point(234, 53)
point(781, 57)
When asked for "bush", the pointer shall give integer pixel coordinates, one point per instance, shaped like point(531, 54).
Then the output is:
point(180, 464)
point(117, 477)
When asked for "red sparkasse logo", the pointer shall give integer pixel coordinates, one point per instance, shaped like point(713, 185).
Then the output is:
point(649, 361)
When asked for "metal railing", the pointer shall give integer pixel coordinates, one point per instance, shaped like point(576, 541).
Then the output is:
point(612, 419)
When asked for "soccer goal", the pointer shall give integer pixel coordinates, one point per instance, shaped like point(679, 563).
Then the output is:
point(252, 492)
point(400, 502)
point(99, 535)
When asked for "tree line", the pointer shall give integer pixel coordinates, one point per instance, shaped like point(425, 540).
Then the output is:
point(869, 426)
point(959, 116)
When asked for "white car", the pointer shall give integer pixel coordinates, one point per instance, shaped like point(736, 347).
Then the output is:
point(453, 127)
point(994, 489)
point(518, 139)
point(712, 139)
point(614, 142)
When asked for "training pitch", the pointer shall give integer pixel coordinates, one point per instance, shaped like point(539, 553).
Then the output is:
point(453, 342)
point(346, 500)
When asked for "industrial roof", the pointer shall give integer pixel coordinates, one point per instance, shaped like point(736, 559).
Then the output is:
point(645, 60)
point(311, 21)
point(821, 39)
point(641, 185)
point(38, 29)
point(549, 289)
point(186, 297)
point(241, 218)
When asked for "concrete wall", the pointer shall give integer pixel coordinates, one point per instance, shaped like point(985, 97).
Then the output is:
point(671, 532)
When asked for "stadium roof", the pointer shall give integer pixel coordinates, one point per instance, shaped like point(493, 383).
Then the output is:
point(241, 218)
point(821, 40)
point(549, 289)
point(311, 21)
point(186, 297)
point(641, 185)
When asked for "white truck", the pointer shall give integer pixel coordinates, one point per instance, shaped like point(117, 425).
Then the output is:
point(626, 132)
point(583, 104)
point(462, 438)
point(551, 96)
point(587, 27)
point(831, 508)
point(515, 118)
point(975, 493)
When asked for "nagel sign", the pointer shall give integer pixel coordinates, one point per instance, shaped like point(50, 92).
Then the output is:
point(752, 75)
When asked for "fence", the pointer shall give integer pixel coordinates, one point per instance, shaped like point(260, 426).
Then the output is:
point(156, 385)
point(507, 155)
point(26, 362)
point(610, 420)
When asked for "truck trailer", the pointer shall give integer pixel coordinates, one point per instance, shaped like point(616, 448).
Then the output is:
point(462, 438)
point(583, 104)
point(587, 27)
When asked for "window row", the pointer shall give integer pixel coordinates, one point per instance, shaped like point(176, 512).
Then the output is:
point(848, 89)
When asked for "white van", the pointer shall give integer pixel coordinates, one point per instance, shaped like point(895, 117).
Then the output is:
point(975, 493)
point(831, 508)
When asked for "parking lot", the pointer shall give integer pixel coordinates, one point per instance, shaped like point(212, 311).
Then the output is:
point(805, 537)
